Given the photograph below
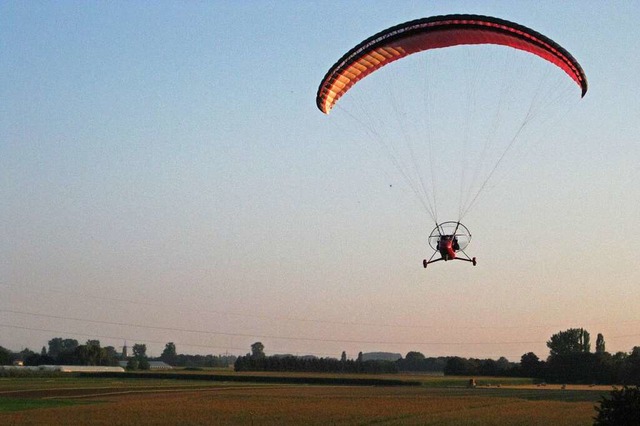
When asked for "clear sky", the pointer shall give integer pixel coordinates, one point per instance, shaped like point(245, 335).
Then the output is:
point(165, 176)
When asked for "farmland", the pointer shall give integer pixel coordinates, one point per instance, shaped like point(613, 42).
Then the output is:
point(423, 400)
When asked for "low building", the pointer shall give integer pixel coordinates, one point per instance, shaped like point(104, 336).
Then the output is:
point(153, 365)
point(66, 368)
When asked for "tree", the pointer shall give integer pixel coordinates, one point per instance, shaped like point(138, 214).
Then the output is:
point(359, 361)
point(143, 364)
point(5, 356)
point(530, 365)
point(571, 341)
point(257, 350)
point(600, 349)
point(413, 361)
point(503, 366)
point(570, 359)
point(140, 354)
point(132, 364)
point(621, 408)
point(343, 361)
point(457, 366)
point(110, 355)
point(631, 373)
point(91, 353)
point(414, 356)
point(139, 351)
point(61, 348)
point(169, 355)
point(40, 359)
point(139, 360)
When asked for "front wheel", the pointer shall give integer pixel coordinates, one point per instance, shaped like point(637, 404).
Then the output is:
point(424, 263)
point(473, 261)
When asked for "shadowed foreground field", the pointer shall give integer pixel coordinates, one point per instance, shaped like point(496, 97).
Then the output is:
point(147, 401)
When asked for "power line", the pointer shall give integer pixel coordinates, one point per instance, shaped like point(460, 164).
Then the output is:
point(308, 320)
point(256, 335)
point(192, 345)
point(246, 335)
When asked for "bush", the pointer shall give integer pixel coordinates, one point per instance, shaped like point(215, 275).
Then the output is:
point(621, 409)
point(132, 364)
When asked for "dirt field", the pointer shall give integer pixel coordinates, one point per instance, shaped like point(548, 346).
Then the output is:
point(105, 402)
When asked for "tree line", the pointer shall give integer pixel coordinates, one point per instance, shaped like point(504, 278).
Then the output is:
point(258, 361)
point(414, 361)
point(570, 360)
point(174, 359)
point(63, 351)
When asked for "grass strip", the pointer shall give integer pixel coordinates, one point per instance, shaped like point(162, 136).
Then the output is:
point(308, 380)
point(21, 404)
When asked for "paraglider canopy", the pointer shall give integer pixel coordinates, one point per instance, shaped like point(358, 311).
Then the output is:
point(438, 32)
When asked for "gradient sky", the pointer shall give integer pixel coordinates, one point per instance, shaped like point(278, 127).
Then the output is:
point(165, 176)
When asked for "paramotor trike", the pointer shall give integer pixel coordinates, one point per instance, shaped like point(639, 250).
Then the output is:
point(449, 239)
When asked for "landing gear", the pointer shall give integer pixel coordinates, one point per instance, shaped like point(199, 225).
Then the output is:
point(426, 262)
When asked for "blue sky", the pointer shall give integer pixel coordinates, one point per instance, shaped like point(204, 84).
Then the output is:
point(165, 168)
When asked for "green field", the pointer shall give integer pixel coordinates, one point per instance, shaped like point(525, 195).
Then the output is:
point(216, 398)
